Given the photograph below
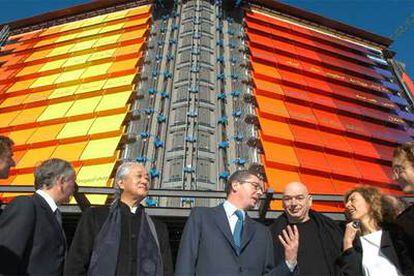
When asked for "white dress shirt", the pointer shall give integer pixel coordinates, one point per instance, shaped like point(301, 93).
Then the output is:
point(373, 261)
point(230, 210)
point(48, 199)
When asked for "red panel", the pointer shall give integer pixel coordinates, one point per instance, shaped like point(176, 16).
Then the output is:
point(342, 165)
point(295, 93)
point(317, 184)
point(372, 172)
point(311, 159)
point(301, 113)
point(362, 147)
point(306, 135)
point(328, 119)
point(354, 125)
point(322, 100)
point(334, 141)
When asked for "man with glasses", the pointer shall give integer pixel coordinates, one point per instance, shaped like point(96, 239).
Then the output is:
point(403, 168)
point(320, 238)
point(224, 240)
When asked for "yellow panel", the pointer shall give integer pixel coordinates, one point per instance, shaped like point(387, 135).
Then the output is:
point(76, 60)
point(6, 118)
point(94, 20)
point(55, 111)
point(51, 65)
point(84, 106)
point(112, 101)
point(120, 81)
point(13, 101)
point(34, 157)
point(60, 50)
point(90, 86)
point(102, 54)
point(100, 148)
point(96, 70)
point(75, 129)
point(51, 30)
point(139, 10)
point(45, 80)
point(45, 133)
point(38, 96)
point(63, 91)
point(70, 75)
point(71, 26)
point(20, 85)
point(20, 137)
point(29, 70)
point(69, 152)
point(116, 15)
point(88, 32)
point(107, 40)
point(107, 124)
point(95, 175)
point(38, 55)
point(28, 116)
point(112, 28)
point(123, 65)
point(80, 46)
point(23, 180)
point(132, 35)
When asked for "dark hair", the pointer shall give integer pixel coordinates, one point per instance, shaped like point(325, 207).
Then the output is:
point(405, 150)
point(5, 144)
point(373, 197)
point(48, 171)
point(238, 176)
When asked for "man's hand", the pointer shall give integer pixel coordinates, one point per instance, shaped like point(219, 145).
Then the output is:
point(290, 241)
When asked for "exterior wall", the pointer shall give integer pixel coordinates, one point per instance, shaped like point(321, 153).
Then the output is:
point(330, 110)
point(66, 92)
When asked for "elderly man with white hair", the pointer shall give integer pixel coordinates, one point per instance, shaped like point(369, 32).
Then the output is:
point(121, 239)
point(320, 238)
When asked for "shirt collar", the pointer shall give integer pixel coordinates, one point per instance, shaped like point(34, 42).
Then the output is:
point(230, 209)
point(48, 199)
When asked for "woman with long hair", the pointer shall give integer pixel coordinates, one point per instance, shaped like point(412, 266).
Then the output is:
point(370, 245)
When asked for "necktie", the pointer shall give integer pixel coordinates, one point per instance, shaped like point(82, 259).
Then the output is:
point(238, 229)
point(58, 216)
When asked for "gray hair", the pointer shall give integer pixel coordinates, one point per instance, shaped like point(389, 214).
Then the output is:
point(122, 171)
point(48, 171)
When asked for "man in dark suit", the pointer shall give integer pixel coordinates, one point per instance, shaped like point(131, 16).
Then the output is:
point(6, 156)
point(121, 239)
point(32, 240)
point(223, 240)
point(403, 168)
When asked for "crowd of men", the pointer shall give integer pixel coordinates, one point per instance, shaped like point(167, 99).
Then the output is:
point(122, 239)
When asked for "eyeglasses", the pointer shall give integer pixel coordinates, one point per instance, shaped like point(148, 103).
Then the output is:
point(257, 186)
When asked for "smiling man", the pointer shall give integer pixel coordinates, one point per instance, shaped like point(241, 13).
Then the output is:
point(121, 239)
point(320, 238)
point(224, 240)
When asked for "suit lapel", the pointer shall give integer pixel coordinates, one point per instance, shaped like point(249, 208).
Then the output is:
point(50, 216)
point(220, 218)
point(248, 232)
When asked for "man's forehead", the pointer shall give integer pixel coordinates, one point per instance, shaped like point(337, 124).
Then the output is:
point(137, 168)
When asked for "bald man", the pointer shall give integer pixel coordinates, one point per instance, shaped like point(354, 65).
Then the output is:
point(320, 238)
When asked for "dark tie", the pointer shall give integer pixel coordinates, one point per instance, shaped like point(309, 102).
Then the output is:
point(58, 216)
point(238, 229)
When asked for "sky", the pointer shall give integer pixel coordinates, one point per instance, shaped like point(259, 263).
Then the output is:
point(382, 17)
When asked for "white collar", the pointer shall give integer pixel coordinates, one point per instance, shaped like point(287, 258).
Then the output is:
point(48, 199)
point(230, 209)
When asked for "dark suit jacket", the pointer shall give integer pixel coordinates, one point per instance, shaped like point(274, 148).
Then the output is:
point(207, 247)
point(406, 221)
point(31, 239)
point(90, 224)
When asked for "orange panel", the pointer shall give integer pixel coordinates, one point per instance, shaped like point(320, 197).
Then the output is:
point(342, 165)
point(272, 106)
point(314, 160)
point(28, 116)
point(123, 65)
point(275, 129)
point(267, 71)
point(70, 152)
point(281, 154)
point(45, 133)
point(34, 157)
point(267, 88)
point(317, 184)
point(278, 179)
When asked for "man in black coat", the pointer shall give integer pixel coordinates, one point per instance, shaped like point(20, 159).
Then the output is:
point(320, 238)
point(121, 239)
point(32, 240)
point(403, 168)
